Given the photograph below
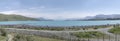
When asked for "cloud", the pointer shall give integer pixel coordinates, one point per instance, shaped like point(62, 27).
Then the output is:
point(49, 13)
point(8, 12)
point(10, 4)
point(40, 7)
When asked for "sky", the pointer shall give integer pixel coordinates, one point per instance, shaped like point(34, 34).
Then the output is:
point(59, 9)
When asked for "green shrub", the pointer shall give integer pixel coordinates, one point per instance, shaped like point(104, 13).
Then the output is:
point(3, 32)
point(92, 34)
point(115, 30)
point(22, 38)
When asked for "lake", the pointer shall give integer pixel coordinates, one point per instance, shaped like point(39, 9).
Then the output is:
point(62, 23)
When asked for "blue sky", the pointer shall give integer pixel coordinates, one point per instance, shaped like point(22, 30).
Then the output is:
point(59, 9)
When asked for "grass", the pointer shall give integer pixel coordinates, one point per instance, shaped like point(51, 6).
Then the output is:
point(115, 30)
point(2, 38)
point(44, 39)
point(23, 37)
point(33, 38)
point(91, 34)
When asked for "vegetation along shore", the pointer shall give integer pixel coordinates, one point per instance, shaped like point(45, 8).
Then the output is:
point(54, 33)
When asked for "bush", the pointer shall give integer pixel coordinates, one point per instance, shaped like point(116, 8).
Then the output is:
point(115, 30)
point(92, 34)
point(3, 32)
point(22, 38)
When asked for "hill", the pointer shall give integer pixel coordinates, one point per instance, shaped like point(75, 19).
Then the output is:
point(13, 17)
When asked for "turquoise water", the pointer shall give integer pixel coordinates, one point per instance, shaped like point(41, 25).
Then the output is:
point(62, 23)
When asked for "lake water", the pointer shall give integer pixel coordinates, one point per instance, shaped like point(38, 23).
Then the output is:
point(62, 23)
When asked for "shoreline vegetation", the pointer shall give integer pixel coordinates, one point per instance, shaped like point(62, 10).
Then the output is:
point(89, 34)
point(54, 33)
point(57, 28)
point(115, 30)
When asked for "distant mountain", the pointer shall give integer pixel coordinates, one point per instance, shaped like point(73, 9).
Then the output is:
point(101, 17)
point(44, 19)
point(105, 17)
point(73, 19)
point(13, 17)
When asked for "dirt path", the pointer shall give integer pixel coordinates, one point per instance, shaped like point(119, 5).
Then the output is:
point(10, 37)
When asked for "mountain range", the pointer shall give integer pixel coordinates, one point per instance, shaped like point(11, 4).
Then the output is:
point(101, 17)
point(14, 17)
point(44, 19)
point(105, 17)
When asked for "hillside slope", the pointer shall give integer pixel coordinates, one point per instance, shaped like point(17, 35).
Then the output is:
point(12, 17)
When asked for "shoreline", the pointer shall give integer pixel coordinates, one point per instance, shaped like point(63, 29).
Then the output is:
point(55, 26)
point(58, 28)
